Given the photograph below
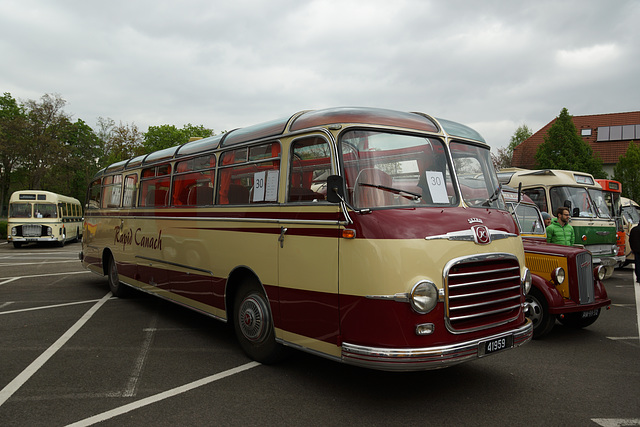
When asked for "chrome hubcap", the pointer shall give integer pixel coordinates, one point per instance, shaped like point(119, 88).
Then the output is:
point(253, 318)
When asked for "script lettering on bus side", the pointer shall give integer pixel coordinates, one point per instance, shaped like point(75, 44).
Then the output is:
point(128, 237)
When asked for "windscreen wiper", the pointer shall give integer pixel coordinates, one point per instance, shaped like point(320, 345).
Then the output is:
point(403, 193)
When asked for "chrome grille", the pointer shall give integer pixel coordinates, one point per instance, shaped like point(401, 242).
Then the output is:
point(584, 266)
point(482, 291)
point(31, 230)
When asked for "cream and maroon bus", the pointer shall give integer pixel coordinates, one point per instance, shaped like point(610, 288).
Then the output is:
point(373, 237)
point(37, 216)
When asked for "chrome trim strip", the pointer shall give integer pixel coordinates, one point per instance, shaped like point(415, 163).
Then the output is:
point(415, 359)
point(468, 235)
point(399, 297)
point(232, 219)
point(175, 264)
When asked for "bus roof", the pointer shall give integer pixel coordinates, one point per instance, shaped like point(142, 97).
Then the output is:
point(40, 195)
point(628, 202)
point(546, 177)
point(307, 119)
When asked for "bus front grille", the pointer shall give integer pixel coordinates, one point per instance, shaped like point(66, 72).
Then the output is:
point(482, 291)
point(31, 230)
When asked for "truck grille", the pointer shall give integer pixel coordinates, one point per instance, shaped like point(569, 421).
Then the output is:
point(584, 266)
point(482, 291)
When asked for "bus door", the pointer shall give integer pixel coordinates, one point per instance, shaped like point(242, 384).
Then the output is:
point(308, 250)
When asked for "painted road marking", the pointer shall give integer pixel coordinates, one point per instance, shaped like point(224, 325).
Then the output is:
point(24, 376)
point(161, 396)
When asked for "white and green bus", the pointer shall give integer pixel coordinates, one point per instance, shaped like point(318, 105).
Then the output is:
point(550, 189)
point(37, 216)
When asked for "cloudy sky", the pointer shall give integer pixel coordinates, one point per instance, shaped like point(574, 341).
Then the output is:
point(493, 65)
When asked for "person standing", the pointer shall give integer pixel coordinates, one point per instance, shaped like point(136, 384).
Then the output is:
point(546, 218)
point(560, 231)
point(634, 242)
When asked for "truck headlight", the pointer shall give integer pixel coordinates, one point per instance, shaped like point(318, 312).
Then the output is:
point(599, 272)
point(424, 297)
point(558, 275)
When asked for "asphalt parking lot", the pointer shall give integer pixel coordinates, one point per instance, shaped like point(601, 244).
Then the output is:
point(71, 354)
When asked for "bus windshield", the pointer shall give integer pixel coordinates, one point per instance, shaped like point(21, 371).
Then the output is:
point(20, 210)
point(631, 214)
point(575, 198)
point(393, 170)
point(599, 201)
point(45, 210)
point(478, 180)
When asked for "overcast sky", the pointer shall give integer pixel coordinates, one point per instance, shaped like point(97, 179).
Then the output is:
point(492, 65)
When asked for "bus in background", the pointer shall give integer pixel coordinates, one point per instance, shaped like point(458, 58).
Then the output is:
point(630, 219)
point(612, 191)
point(550, 189)
point(372, 237)
point(37, 216)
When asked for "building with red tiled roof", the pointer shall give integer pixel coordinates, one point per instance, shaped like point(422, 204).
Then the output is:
point(608, 135)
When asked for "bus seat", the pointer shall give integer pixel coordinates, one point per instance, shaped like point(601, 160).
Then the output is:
point(238, 194)
point(369, 196)
point(200, 196)
point(150, 199)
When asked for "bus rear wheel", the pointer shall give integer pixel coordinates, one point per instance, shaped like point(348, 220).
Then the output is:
point(253, 324)
point(117, 288)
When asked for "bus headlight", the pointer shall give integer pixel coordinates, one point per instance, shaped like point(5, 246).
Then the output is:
point(424, 297)
point(526, 280)
point(49, 231)
point(558, 276)
point(14, 231)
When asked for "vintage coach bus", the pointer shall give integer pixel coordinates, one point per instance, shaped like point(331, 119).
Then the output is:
point(37, 216)
point(373, 237)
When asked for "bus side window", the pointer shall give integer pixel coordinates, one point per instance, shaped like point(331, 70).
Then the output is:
point(95, 190)
point(130, 188)
point(310, 165)
point(254, 176)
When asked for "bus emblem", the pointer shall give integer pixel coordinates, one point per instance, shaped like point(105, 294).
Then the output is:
point(472, 220)
point(481, 234)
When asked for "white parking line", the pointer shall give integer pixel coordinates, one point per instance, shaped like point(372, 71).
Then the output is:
point(11, 279)
point(44, 307)
point(24, 376)
point(16, 264)
point(616, 422)
point(161, 396)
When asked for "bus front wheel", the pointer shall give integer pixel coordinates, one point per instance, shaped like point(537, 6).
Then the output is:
point(542, 320)
point(253, 324)
point(117, 288)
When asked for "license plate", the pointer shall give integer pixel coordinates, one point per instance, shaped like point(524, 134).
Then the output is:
point(495, 345)
point(589, 313)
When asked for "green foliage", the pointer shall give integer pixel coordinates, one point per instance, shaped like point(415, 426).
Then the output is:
point(563, 148)
point(3, 229)
point(626, 171)
point(521, 134)
point(165, 136)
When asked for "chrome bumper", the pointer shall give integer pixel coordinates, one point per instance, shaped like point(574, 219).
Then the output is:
point(418, 359)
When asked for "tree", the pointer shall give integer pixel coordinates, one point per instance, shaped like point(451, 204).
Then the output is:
point(563, 148)
point(626, 171)
point(121, 142)
point(165, 136)
point(13, 127)
point(505, 155)
point(48, 128)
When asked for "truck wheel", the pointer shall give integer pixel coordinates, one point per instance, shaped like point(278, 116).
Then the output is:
point(538, 312)
point(575, 320)
point(253, 324)
point(117, 288)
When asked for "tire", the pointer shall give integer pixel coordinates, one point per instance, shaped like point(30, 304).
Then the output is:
point(538, 312)
point(117, 288)
point(575, 320)
point(17, 245)
point(253, 324)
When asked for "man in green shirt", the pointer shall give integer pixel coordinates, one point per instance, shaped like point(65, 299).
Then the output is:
point(560, 231)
